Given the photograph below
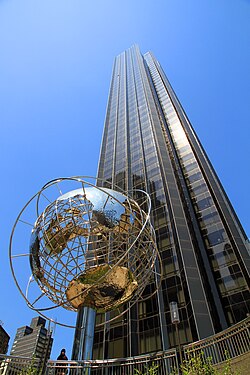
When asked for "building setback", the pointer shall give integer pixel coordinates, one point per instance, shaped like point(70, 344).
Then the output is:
point(148, 143)
point(34, 341)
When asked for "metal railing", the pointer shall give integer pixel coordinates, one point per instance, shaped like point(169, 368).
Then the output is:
point(11, 365)
point(230, 343)
point(165, 362)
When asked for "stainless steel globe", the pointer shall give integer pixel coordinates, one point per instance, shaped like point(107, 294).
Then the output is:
point(79, 249)
point(92, 247)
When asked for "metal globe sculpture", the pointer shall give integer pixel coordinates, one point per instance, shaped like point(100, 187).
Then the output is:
point(92, 247)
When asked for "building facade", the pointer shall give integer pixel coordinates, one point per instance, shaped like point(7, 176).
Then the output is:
point(4, 340)
point(148, 143)
point(34, 341)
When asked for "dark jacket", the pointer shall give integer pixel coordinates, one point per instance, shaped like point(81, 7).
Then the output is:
point(61, 368)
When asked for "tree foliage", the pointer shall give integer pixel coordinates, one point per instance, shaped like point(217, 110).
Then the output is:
point(198, 364)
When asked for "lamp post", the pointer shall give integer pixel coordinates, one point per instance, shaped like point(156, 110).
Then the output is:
point(175, 319)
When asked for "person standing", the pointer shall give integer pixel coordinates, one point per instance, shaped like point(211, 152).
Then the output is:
point(61, 369)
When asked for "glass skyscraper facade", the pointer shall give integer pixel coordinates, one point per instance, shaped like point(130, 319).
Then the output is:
point(149, 144)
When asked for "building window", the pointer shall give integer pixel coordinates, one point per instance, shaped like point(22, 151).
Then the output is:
point(216, 237)
point(204, 203)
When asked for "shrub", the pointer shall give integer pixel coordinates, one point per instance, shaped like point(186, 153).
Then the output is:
point(200, 365)
point(152, 370)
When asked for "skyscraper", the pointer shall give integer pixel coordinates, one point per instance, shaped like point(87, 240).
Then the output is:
point(33, 342)
point(148, 143)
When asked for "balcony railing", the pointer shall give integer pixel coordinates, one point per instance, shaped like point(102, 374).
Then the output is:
point(232, 342)
point(165, 362)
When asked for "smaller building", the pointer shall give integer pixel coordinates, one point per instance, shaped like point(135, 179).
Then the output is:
point(4, 340)
point(34, 341)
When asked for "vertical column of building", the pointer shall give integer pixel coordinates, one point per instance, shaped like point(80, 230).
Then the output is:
point(151, 316)
point(106, 172)
point(103, 167)
point(117, 344)
point(134, 155)
point(120, 166)
point(107, 155)
point(187, 277)
point(111, 339)
point(217, 225)
point(168, 111)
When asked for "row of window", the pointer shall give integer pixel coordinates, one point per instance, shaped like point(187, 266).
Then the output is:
point(214, 234)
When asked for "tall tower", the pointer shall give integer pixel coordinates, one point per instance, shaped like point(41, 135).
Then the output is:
point(148, 143)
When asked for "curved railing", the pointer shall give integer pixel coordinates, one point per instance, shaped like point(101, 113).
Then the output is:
point(164, 362)
point(230, 343)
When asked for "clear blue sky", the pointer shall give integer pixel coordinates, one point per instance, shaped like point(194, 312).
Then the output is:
point(56, 60)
